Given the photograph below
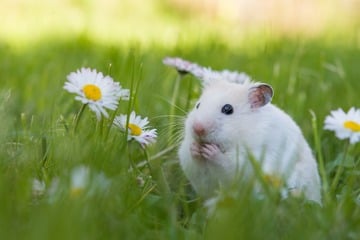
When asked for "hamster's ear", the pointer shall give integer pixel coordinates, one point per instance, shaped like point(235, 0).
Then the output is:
point(260, 95)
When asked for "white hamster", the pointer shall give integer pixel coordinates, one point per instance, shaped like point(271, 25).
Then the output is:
point(231, 120)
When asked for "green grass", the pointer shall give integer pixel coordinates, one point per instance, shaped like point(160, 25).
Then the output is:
point(155, 201)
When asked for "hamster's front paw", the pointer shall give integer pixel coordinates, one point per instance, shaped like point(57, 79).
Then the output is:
point(206, 151)
point(210, 151)
point(195, 150)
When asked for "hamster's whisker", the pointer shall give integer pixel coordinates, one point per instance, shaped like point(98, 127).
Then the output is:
point(176, 135)
point(177, 107)
point(166, 116)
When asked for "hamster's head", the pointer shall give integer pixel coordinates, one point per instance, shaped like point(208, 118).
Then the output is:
point(225, 110)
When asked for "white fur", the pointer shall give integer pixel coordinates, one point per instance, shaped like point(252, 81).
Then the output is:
point(266, 132)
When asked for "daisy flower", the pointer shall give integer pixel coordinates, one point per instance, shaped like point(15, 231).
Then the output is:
point(209, 75)
point(79, 180)
point(137, 128)
point(183, 66)
point(38, 187)
point(100, 184)
point(96, 90)
point(345, 125)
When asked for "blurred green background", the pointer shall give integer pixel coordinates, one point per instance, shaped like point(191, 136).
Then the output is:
point(274, 41)
point(167, 22)
point(309, 51)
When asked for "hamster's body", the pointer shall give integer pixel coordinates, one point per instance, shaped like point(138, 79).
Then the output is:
point(233, 121)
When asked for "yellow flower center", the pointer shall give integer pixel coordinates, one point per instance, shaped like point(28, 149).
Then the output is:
point(353, 126)
point(92, 92)
point(135, 129)
point(273, 180)
point(76, 192)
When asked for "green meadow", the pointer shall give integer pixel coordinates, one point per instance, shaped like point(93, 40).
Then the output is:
point(137, 193)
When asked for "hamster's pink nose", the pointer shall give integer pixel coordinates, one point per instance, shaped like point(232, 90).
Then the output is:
point(199, 129)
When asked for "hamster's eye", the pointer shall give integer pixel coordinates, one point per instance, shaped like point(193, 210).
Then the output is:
point(197, 105)
point(227, 109)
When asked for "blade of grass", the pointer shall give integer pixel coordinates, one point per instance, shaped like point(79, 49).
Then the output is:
point(324, 180)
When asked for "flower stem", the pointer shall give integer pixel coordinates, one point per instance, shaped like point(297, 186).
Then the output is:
point(173, 105)
point(147, 161)
point(78, 117)
point(188, 100)
point(133, 166)
point(100, 125)
point(339, 170)
point(320, 158)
